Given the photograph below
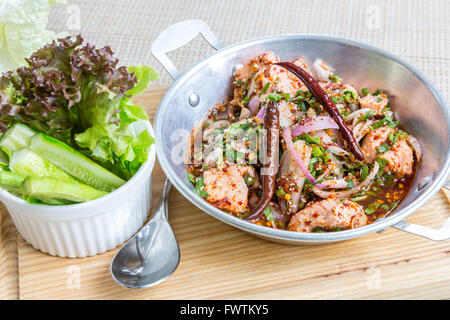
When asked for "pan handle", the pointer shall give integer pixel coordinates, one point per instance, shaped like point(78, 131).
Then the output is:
point(178, 35)
point(441, 234)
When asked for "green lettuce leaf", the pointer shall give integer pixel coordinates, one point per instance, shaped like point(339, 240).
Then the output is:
point(144, 75)
point(112, 136)
point(22, 30)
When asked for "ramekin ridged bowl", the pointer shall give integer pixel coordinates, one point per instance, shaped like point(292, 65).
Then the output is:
point(88, 228)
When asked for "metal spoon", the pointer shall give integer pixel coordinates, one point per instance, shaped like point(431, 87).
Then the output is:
point(152, 255)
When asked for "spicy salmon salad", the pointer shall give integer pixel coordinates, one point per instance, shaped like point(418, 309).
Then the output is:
point(295, 147)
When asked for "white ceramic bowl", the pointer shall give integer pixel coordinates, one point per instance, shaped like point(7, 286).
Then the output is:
point(88, 228)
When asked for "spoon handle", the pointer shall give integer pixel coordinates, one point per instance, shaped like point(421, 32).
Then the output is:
point(161, 210)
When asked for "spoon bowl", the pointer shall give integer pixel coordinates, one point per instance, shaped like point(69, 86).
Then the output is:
point(152, 255)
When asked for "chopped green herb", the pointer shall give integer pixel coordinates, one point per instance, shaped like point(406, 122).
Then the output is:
point(359, 198)
point(203, 194)
point(326, 157)
point(366, 116)
point(377, 92)
point(248, 179)
point(199, 187)
point(317, 229)
point(302, 106)
point(383, 148)
point(386, 121)
point(365, 92)
point(287, 96)
point(389, 179)
point(265, 88)
point(275, 97)
point(350, 183)
point(343, 112)
point(350, 96)
point(246, 100)
point(191, 177)
point(382, 162)
point(364, 172)
point(309, 139)
point(371, 208)
point(317, 151)
point(335, 100)
point(280, 193)
point(334, 78)
point(268, 214)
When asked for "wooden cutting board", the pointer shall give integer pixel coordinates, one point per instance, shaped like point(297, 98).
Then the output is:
point(221, 262)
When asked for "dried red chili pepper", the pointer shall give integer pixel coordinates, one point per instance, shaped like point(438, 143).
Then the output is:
point(328, 105)
point(269, 175)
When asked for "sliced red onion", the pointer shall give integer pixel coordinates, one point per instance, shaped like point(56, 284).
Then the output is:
point(245, 114)
point(325, 173)
point(348, 193)
point(253, 105)
point(290, 146)
point(415, 145)
point(314, 124)
point(332, 184)
point(361, 129)
point(261, 114)
point(337, 150)
point(357, 113)
point(213, 126)
point(279, 216)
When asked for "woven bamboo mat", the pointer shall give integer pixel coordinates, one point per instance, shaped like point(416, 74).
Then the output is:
point(416, 30)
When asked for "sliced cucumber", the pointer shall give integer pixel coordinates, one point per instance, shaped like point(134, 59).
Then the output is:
point(9, 178)
point(50, 201)
point(74, 163)
point(16, 138)
point(11, 181)
point(49, 188)
point(4, 159)
point(28, 163)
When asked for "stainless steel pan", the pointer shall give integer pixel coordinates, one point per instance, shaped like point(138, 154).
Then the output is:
point(418, 105)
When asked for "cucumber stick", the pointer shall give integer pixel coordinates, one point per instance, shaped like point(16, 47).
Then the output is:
point(51, 201)
point(49, 188)
point(74, 163)
point(16, 138)
point(11, 181)
point(28, 163)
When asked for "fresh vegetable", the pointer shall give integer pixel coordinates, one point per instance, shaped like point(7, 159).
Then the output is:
point(74, 163)
point(22, 30)
point(55, 188)
point(71, 132)
point(287, 134)
point(28, 163)
point(16, 138)
point(11, 181)
point(77, 94)
point(314, 124)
